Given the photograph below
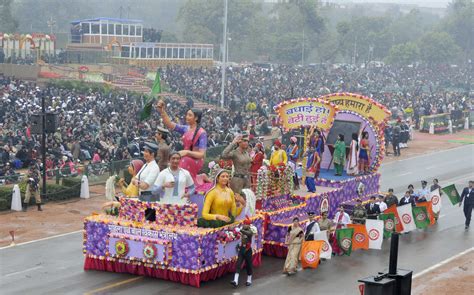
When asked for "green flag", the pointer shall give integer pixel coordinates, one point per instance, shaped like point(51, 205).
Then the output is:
point(452, 193)
point(388, 224)
point(344, 239)
point(420, 214)
point(149, 100)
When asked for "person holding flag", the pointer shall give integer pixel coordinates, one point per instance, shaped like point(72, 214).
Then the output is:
point(341, 220)
point(194, 139)
point(422, 193)
point(467, 196)
point(312, 227)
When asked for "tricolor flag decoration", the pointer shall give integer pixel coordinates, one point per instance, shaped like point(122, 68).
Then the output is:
point(452, 193)
point(360, 239)
point(406, 218)
point(344, 239)
point(311, 254)
point(375, 230)
point(388, 222)
point(429, 210)
point(420, 215)
point(435, 198)
point(326, 249)
point(398, 223)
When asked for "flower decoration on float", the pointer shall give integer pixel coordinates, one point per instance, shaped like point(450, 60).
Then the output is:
point(149, 251)
point(121, 248)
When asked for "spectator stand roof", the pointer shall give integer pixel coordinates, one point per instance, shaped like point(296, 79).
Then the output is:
point(110, 19)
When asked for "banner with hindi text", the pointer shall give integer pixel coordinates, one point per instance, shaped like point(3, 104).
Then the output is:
point(305, 112)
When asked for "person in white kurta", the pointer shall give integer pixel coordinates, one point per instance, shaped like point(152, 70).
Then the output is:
point(345, 220)
point(381, 203)
point(146, 177)
point(172, 183)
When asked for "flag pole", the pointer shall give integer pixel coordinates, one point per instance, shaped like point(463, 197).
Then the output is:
point(223, 52)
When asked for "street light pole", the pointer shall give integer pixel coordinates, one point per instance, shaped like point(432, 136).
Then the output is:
point(224, 50)
point(43, 144)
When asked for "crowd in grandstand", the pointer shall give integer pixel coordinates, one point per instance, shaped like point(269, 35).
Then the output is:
point(93, 123)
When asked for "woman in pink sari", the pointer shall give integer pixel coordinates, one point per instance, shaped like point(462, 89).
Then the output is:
point(194, 139)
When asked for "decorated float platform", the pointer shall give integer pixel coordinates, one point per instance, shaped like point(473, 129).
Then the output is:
point(171, 248)
point(174, 248)
point(279, 211)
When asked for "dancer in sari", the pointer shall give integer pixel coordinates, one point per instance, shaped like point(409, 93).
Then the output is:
point(220, 205)
point(257, 162)
point(312, 172)
point(194, 139)
point(294, 239)
point(293, 153)
point(339, 155)
point(352, 164)
point(364, 153)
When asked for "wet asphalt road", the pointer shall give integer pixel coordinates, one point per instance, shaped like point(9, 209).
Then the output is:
point(55, 266)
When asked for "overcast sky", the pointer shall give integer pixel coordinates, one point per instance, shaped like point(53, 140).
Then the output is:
point(423, 3)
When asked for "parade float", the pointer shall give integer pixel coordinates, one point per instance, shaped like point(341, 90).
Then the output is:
point(174, 248)
point(332, 114)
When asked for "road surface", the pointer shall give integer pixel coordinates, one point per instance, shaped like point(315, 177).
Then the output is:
point(55, 265)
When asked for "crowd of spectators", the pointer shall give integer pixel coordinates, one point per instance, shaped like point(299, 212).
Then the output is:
point(103, 126)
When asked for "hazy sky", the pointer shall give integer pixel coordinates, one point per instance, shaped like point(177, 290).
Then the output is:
point(423, 3)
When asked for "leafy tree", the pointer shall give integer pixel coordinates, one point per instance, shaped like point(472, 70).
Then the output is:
point(403, 54)
point(8, 23)
point(460, 24)
point(438, 48)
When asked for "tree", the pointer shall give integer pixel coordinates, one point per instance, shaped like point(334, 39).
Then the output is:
point(438, 48)
point(403, 54)
point(460, 24)
point(8, 23)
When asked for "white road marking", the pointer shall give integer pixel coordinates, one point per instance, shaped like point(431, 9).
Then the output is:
point(23, 271)
point(386, 164)
point(442, 215)
point(403, 174)
point(442, 263)
point(428, 154)
point(431, 167)
point(43, 239)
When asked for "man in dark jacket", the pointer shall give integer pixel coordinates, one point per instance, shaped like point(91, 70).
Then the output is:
point(468, 197)
point(372, 208)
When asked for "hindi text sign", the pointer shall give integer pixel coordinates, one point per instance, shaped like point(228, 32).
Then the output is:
point(306, 112)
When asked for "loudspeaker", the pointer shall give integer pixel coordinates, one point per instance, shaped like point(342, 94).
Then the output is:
point(51, 122)
point(37, 123)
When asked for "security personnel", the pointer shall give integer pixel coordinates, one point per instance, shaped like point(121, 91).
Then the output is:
point(359, 213)
point(163, 147)
point(148, 173)
point(33, 188)
point(237, 151)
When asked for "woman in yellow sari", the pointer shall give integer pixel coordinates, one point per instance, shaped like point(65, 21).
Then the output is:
point(131, 190)
point(294, 239)
point(221, 206)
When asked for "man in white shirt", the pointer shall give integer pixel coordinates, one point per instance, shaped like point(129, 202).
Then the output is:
point(147, 175)
point(341, 219)
point(172, 183)
point(312, 227)
point(381, 203)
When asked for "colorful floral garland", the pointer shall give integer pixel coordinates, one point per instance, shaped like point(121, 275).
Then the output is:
point(149, 251)
point(121, 248)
